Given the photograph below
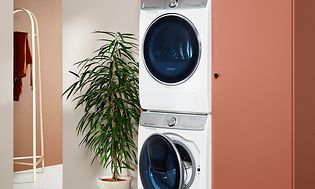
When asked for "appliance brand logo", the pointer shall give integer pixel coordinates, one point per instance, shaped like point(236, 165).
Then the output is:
point(171, 69)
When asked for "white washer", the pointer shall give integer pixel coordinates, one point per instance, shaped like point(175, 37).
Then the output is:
point(174, 151)
point(175, 55)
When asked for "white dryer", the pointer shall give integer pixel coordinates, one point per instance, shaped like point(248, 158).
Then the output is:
point(175, 55)
point(174, 151)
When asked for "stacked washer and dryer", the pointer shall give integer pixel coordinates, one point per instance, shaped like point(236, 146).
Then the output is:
point(175, 92)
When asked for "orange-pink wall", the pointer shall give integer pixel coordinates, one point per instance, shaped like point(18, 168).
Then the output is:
point(252, 100)
point(263, 103)
point(48, 13)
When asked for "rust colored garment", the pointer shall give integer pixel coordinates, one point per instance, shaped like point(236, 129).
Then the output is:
point(22, 58)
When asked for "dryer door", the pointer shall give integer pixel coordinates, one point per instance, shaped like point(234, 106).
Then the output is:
point(171, 49)
point(160, 164)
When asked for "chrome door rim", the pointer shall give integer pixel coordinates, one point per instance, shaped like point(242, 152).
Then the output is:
point(193, 163)
point(199, 44)
point(181, 171)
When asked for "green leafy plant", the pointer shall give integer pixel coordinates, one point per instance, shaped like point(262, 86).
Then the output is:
point(107, 88)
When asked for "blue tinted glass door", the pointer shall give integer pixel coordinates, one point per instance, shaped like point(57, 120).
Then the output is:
point(171, 49)
point(160, 164)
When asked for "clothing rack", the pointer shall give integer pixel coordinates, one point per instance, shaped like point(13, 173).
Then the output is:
point(36, 159)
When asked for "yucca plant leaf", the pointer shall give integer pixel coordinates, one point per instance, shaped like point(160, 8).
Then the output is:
point(106, 87)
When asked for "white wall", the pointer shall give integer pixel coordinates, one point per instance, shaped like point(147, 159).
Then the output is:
point(6, 98)
point(80, 19)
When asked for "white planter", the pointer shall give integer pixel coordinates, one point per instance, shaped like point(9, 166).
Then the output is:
point(114, 185)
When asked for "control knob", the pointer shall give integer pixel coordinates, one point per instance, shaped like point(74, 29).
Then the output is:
point(171, 121)
point(173, 3)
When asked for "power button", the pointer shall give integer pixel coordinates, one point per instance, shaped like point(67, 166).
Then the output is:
point(171, 121)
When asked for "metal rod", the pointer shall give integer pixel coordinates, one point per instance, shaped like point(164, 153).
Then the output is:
point(30, 164)
point(23, 163)
point(26, 157)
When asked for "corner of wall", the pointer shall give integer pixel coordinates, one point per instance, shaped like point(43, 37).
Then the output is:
point(6, 98)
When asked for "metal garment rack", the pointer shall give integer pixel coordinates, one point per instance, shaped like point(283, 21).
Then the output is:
point(36, 159)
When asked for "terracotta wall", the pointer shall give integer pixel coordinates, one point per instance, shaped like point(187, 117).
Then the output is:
point(48, 13)
point(252, 100)
point(263, 107)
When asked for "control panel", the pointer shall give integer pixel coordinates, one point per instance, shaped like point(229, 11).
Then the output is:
point(171, 4)
point(173, 121)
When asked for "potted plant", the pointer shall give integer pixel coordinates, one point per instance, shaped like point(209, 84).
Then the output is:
point(107, 87)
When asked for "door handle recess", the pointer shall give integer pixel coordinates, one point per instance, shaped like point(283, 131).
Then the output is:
point(216, 75)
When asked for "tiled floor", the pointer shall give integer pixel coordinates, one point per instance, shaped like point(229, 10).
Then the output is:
point(50, 179)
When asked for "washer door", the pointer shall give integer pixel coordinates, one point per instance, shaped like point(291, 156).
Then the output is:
point(160, 164)
point(171, 49)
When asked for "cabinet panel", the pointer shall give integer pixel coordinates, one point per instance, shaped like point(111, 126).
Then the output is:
point(252, 98)
point(304, 93)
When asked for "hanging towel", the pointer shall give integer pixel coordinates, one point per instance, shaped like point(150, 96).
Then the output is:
point(22, 58)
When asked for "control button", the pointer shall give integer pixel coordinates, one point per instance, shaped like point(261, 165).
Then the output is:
point(173, 3)
point(171, 121)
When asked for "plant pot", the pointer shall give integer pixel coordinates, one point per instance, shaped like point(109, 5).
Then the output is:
point(107, 183)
